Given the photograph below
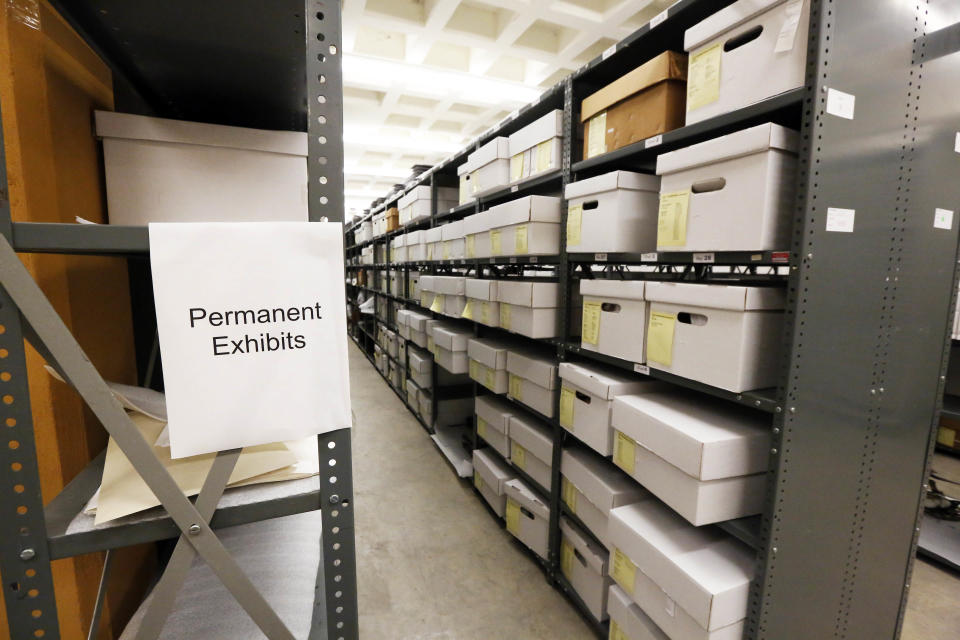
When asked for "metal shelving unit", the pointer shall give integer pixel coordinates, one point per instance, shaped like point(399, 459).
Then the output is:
point(853, 418)
point(262, 65)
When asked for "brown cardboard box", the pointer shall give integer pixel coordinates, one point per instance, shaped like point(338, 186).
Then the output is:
point(648, 101)
point(393, 219)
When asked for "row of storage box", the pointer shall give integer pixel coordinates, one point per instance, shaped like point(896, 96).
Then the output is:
point(733, 193)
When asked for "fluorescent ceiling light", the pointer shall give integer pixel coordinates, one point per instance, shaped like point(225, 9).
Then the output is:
point(423, 142)
point(353, 169)
point(382, 75)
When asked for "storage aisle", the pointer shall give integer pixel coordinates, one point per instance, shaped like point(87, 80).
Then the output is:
point(431, 560)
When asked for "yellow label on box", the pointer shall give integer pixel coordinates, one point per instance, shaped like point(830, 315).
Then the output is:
point(505, 319)
point(567, 396)
point(477, 481)
point(520, 240)
point(624, 571)
point(446, 250)
point(472, 245)
point(569, 495)
point(545, 155)
point(437, 305)
point(624, 452)
point(490, 378)
point(516, 387)
point(431, 347)
point(590, 324)
point(616, 633)
point(467, 310)
point(672, 219)
point(574, 224)
point(485, 313)
point(475, 370)
point(430, 251)
point(703, 77)
point(495, 242)
point(481, 427)
point(947, 436)
point(518, 455)
point(566, 559)
point(597, 135)
point(513, 516)
point(660, 332)
point(424, 296)
point(516, 167)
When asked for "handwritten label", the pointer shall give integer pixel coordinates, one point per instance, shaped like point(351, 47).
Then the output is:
point(840, 220)
point(600, 257)
point(703, 258)
point(642, 368)
point(609, 51)
point(659, 18)
point(652, 142)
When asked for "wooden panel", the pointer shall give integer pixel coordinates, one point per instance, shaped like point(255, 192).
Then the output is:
point(50, 83)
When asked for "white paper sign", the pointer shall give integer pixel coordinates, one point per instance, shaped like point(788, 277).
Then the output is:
point(253, 334)
point(788, 30)
point(840, 219)
point(841, 104)
point(943, 218)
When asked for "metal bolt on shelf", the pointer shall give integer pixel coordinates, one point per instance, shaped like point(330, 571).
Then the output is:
point(27, 554)
point(194, 529)
point(334, 499)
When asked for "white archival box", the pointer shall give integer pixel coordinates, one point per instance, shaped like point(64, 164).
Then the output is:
point(741, 189)
point(614, 212)
point(584, 563)
point(632, 623)
point(491, 167)
point(477, 239)
point(267, 305)
point(752, 68)
point(532, 516)
point(160, 170)
point(614, 318)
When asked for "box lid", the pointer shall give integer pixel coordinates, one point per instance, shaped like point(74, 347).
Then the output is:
point(613, 289)
point(412, 387)
point(717, 296)
point(417, 321)
point(540, 130)
point(603, 382)
point(433, 234)
point(626, 180)
point(465, 169)
point(492, 469)
point(421, 192)
point(706, 571)
point(449, 285)
point(760, 138)
point(528, 293)
point(129, 126)
point(496, 149)
point(495, 412)
point(630, 617)
point(725, 20)
point(402, 315)
point(398, 241)
point(669, 65)
point(594, 555)
point(477, 223)
point(526, 209)
point(600, 482)
point(426, 283)
point(703, 437)
point(481, 289)
point(419, 360)
point(451, 338)
point(452, 230)
point(414, 238)
point(526, 497)
point(538, 369)
point(490, 353)
point(532, 435)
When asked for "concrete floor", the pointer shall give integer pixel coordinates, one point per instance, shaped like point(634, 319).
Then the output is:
point(434, 564)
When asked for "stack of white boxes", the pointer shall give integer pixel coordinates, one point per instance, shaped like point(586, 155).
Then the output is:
point(531, 447)
point(425, 291)
point(489, 168)
point(531, 380)
point(366, 255)
point(493, 422)
point(528, 226)
point(536, 149)
point(705, 458)
point(613, 213)
point(364, 232)
point(416, 248)
point(482, 305)
point(490, 476)
point(398, 249)
point(476, 231)
point(584, 564)
point(488, 363)
point(453, 243)
point(529, 307)
point(433, 239)
point(449, 294)
point(614, 318)
point(448, 343)
point(420, 363)
point(527, 516)
point(416, 205)
point(417, 328)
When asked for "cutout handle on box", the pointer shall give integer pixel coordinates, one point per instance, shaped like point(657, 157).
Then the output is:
point(592, 204)
point(582, 397)
point(579, 557)
point(610, 307)
point(706, 186)
point(697, 319)
point(527, 512)
point(739, 40)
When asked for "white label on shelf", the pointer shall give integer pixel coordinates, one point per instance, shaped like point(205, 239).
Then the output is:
point(513, 261)
point(943, 219)
point(841, 104)
point(648, 257)
point(463, 262)
point(657, 19)
point(451, 209)
point(956, 143)
point(609, 51)
point(533, 259)
point(642, 368)
point(840, 219)
point(703, 258)
point(652, 142)
point(493, 261)
point(600, 257)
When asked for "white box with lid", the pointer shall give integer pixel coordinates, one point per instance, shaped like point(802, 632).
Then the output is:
point(160, 170)
point(488, 363)
point(531, 380)
point(628, 621)
point(584, 564)
point(419, 363)
point(416, 249)
point(433, 239)
point(705, 571)
point(416, 204)
point(527, 515)
point(525, 226)
point(476, 234)
point(491, 167)
point(613, 213)
point(465, 194)
point(398, 249)
point(614, 318)
point(586, 401)
point(531, 447)
point(418, 329)
point(412, 394)
point(490, 474)
point(722, 335)
point(493, 422)
point(732, 193)
point(745, 53)
point(453, 243)
point(536, 148)
point(450, 347)
point(482, 305)
point(528, 307)
point(591, 486)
